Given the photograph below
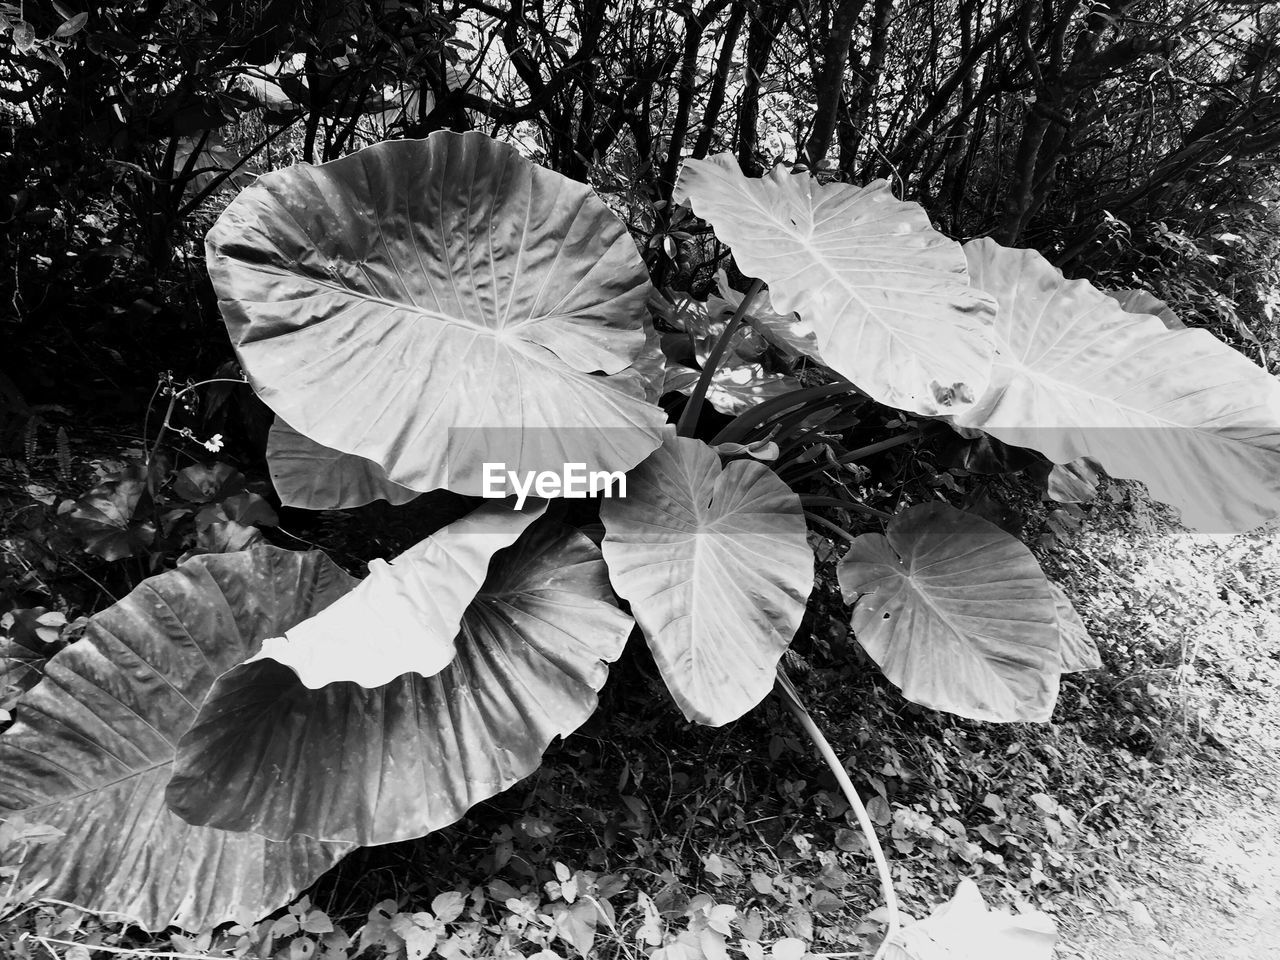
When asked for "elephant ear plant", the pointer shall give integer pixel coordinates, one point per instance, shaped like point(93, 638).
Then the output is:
point(421, 313)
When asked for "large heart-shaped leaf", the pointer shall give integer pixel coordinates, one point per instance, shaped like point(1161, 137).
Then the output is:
point(93, 742)
point(383, 302)
point(312, 476)
point(957, 613)
point(406, 612)
point(887, 295)
point(1076, 376)
point(346, 763)
point(716, 564)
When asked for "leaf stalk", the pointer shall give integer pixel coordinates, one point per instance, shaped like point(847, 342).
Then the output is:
point(790, 697)
point(693, 409)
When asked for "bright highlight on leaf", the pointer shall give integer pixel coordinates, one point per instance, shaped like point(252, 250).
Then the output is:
point(406, 612)
point(965, 928)
point(401, 760)
point(1076, 376)
point(717, 567)
point(886, 294)
point(92, 746)
point(957, 613)
point(1146, 304)
point(733, 388)
point(414, 288)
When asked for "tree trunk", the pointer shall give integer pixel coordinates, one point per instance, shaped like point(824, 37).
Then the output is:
point(764, 29)
point(829, 86)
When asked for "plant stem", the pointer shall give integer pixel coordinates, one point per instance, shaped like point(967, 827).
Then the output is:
point(693, 409)
point(863, 452)
point(791, 698)
point(173, 400)
point(808, 500)
point(754, 417)
point(833, 528)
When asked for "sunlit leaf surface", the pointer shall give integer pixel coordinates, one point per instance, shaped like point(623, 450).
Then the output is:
point(716, 564)
point(432, 305)
point(406, 612)
point(886, 294)
point(1076, 376)
point(957, 613)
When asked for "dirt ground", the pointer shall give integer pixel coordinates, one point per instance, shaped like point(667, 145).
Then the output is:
point(1209, 888)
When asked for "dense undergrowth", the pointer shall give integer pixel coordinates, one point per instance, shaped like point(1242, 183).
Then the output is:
point(679, 828)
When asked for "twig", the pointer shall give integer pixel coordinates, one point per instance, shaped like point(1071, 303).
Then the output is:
point(823, 522)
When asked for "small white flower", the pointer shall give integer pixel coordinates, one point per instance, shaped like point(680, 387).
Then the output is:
point(214, 443)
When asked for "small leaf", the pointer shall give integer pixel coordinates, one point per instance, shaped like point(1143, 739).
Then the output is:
point(788, 948)
point(576, 925)
point(1074, 482)
point(202, 483)
point(448, 906)
point(753, 924)
point(317, 921)
point(734, 388)
point(71, 27)
point(24, 36)
point(712, 944)
point(225, 536)
point(244, 508)
point(793, 336)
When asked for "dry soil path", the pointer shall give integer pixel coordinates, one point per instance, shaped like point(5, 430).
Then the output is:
point(1208, 887)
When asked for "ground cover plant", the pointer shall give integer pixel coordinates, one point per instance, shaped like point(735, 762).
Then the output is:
point(419, 310)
